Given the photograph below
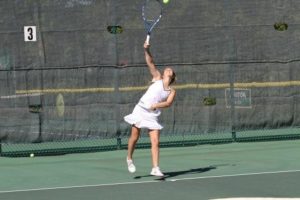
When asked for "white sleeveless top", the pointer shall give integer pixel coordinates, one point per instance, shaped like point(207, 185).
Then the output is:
point(156, 93)
point(142, 116)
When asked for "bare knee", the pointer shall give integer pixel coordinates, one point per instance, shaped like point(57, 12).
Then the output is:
point(134, 137)
point(155, 143)
point(154, 136)
point(135, 134)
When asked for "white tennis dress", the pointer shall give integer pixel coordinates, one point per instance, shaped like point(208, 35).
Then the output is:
point(142, 116)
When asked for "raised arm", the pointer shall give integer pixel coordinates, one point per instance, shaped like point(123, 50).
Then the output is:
point(149, 60)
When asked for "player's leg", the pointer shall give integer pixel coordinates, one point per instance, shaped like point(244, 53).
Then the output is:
point(135, 134)
point(154, 137)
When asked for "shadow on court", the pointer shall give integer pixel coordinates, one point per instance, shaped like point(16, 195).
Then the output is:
point(183, 172)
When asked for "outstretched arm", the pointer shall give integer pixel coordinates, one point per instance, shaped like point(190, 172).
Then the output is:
point(149, 60)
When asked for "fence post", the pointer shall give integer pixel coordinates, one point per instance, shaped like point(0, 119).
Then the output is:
point(233, 50)
point(0, 147)
point(232, 103)
point(119, 143)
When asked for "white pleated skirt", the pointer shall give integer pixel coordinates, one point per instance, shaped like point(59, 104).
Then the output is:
point(144, 118)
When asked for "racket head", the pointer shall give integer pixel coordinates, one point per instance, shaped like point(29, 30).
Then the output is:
point(151, 13)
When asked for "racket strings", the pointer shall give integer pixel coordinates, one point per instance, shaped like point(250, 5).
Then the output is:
point(152, 11)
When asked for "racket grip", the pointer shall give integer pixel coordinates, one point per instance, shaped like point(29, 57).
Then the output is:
point(148, 39)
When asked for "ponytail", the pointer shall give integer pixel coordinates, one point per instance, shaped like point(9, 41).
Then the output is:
point(173, 78)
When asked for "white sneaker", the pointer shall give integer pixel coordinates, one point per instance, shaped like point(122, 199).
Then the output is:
point(131, 167)
point(156, 172)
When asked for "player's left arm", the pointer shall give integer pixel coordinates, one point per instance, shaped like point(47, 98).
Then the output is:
point(166, 103)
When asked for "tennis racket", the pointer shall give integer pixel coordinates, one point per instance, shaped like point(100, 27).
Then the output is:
point(151, 12)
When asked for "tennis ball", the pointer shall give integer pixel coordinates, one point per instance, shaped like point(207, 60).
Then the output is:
point(31, 155)
point(165, 1)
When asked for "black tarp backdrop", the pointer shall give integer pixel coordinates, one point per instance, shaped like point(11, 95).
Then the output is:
point(78, 80)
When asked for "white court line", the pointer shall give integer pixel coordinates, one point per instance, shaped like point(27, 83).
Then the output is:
point(154, 181)
point(234, 175)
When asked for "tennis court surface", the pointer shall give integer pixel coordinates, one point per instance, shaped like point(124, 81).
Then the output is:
point(260, 169)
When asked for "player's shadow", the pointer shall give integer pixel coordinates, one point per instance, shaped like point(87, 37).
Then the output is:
point(183, 172)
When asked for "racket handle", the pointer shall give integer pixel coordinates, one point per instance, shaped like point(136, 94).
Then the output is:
point(148, 39)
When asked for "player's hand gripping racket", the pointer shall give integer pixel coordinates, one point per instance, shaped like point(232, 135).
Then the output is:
point(151, 12)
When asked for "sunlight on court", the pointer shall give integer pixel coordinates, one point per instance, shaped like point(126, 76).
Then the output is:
point(257, 198)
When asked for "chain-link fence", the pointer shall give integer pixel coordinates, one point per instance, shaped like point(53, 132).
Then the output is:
point(68, 91)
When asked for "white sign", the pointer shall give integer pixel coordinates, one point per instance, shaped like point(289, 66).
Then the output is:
point(242, 98)
point(29, 33)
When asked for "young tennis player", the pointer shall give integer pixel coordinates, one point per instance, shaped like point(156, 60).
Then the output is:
point(145, 114)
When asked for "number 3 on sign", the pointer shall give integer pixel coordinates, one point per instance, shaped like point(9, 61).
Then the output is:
point(29, 33)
